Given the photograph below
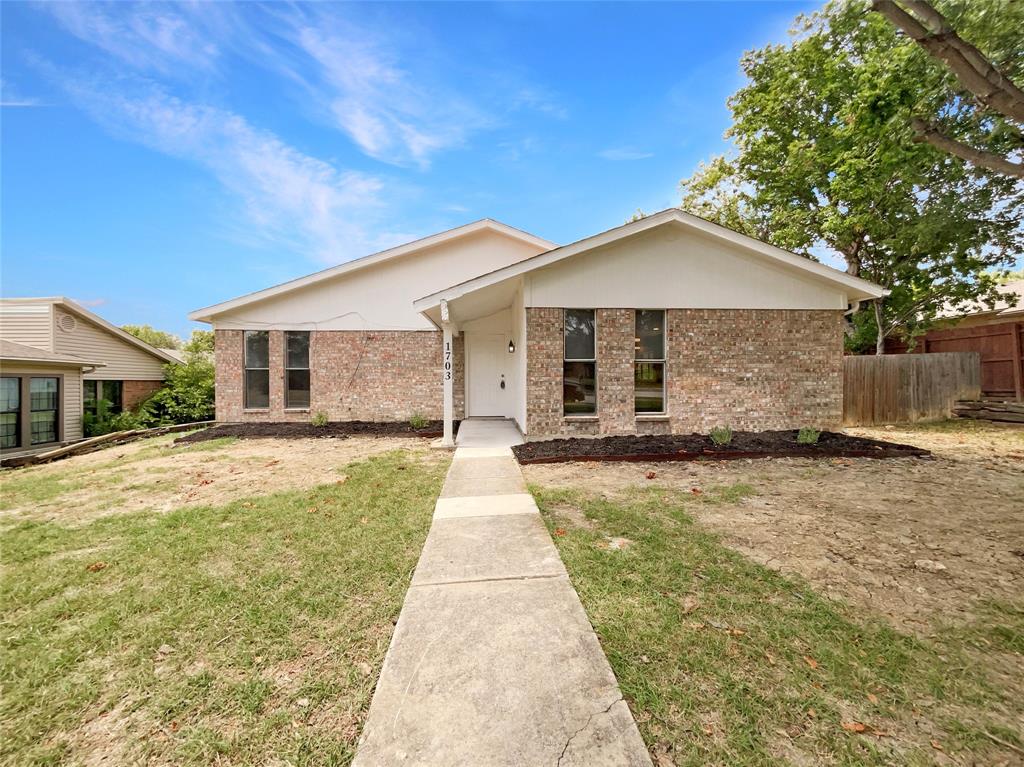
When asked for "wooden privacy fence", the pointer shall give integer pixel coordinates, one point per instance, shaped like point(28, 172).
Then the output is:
point(907, 387)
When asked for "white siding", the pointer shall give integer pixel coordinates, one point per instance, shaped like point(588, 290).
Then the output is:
point(381, 297)
point(123, 361)
point(670, 268)
point(27, 324)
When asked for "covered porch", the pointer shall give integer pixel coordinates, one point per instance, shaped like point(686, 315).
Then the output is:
point(492, 322)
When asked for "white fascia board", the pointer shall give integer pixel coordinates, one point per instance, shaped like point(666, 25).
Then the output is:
point(206, 314)
point(850, 285)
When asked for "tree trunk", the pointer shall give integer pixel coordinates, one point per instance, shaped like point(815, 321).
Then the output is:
point(880, 340)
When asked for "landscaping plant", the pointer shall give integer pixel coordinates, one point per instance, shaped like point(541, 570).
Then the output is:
point(319, 419)
point(418, 420)
point(808, 436)
point(721, 435)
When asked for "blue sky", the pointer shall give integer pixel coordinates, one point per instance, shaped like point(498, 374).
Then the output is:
point(160, 158)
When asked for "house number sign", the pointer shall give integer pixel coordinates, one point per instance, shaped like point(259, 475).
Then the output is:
point(447, 361)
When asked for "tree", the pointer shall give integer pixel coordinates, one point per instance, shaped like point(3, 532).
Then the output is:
point(982, 99)
point(158, 338)
point(201, 342)
point(827, 163)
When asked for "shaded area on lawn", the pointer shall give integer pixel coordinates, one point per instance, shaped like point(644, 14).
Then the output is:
point(725, 661)
point(682, 447)
point(306, 430)
point(234, 634)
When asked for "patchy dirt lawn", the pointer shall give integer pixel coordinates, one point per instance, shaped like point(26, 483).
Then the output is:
point(923, 542)
point(157, 475)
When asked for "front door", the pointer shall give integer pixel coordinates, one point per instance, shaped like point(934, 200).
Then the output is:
point(489, 369)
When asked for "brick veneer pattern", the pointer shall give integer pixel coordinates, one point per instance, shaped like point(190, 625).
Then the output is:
point(746, 368)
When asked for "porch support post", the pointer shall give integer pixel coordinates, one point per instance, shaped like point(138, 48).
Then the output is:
point(448, 375)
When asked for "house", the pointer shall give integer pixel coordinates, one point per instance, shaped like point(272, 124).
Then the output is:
point(666, 324)
point(58, 358)
point(995, 332)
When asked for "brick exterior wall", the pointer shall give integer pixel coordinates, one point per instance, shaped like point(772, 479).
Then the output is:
point(750, 369)
point(354, 376)
point(134, 393)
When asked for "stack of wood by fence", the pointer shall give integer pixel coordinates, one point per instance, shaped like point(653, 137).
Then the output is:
point(891, 388)
point(991, 410)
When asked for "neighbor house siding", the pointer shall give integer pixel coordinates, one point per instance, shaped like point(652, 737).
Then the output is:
point(123, 361)
point(70, 395)
point(28, 324)
point(744, 368)
point(354, 376)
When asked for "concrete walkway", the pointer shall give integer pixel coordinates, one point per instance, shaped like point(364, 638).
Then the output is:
point(493, 661)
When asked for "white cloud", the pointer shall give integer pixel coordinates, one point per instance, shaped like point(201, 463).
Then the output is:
point(147, 36)
point(10, 97)
point(287, 197)
point(620, 154)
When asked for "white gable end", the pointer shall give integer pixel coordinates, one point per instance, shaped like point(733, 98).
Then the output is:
point(381, 297)
point(675, 267)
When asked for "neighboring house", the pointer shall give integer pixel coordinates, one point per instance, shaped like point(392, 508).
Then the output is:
point(112, 364)
point(995, 332)
point(40, 397)
point(666, 324)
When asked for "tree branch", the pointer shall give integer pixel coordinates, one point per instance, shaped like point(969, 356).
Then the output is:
point(924, 132)
point(970, 67)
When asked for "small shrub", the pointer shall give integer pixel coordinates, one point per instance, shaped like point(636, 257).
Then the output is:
point(721, 435)
point(418, 420)
point(319, 419)
point(808, 436)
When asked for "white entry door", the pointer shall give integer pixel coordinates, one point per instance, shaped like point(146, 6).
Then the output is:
point(489, 369)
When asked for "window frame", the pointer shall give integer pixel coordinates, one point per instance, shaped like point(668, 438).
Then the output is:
point(98, 386)
point(591, 360)
point(17, 413)
point(663, 361)
point(56, 410)
point(289, 368)
point(246, 368)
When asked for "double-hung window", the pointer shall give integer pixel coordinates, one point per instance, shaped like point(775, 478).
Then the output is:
point(10, 412)
point(579, 367)
point(296, 369)
point(257, 369)
point(44, 399)
point(649, 362)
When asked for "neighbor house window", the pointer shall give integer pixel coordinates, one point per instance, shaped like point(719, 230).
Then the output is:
point(10, 412)
point(257, 369)
point(44, 396)
point(296, 369)
point(649, 361)
point(94, 391)
point(579, 368)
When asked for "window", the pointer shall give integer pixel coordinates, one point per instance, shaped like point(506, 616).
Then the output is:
point(10, 412)
point(257, 369)
point(649, 362)
point(296, 369)
point(44, 397)
point(579, 368)
point(111, 391)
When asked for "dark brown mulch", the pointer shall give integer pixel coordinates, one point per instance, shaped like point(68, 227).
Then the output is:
point(690, 447)
point(301, 430)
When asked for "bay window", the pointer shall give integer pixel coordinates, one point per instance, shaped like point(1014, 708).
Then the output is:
point(44, 398)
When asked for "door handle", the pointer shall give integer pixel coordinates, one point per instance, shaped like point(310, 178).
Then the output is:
point(502, 384)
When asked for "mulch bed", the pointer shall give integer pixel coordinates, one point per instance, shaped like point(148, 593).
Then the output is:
point(302, 430)
point(695, 447)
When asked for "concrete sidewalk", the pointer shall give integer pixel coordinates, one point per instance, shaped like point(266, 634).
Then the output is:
point(493, 661)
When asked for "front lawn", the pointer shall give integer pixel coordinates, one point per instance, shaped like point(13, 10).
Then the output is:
point(725, 661)
point(242, 633)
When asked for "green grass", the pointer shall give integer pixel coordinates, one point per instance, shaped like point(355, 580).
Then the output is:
point(242, 634)
point(727, 662)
